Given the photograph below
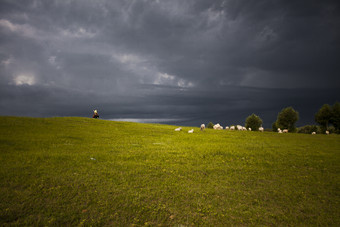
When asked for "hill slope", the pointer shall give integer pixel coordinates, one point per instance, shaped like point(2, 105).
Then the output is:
point(80, 171)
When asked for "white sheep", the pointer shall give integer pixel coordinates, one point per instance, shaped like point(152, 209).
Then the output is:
point(202, 127)
point(249, 129)
point(244, 129)
point(313, 133)
point(261, 129)
point(217, 127)
point(279, 130)
point(285, 130)
point(239, 127)
point(226, 128)
point(178, 129)
point(191, 131)
point(232, 127)
point(327, 132)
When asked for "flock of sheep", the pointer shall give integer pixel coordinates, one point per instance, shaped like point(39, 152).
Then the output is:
point(238, 127)
point(219, 127)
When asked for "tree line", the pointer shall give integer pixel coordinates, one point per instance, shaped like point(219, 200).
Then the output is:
point(328, 118)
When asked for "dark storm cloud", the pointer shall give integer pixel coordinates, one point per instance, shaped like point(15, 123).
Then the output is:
point(195, 61)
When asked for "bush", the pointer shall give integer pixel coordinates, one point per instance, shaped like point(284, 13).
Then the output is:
point(210, 125)
point(254, 122)
point(308, 129)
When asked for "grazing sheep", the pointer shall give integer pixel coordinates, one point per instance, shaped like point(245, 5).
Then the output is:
point(178, 129)
point(191, 131)
point(249, 129)
point(232, 127)
point(202, 127)
point(244, 129)
point(285, 130)
point(261, 129)
point(279, 130)
point(218, 127)
point(327, 132)
point(313, 133)
point(239, 127)
point(226, 128)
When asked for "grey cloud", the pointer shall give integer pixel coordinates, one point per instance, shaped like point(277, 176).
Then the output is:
point(189, 60)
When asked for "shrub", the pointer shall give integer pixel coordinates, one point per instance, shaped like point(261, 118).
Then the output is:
point(308, 129)
point(210, 125)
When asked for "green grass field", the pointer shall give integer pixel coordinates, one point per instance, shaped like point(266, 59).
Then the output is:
point(81, 171)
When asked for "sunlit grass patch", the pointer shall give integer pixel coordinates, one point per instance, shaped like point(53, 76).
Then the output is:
point(79, 171)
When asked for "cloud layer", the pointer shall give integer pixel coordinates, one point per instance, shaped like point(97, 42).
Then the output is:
point(195, 61)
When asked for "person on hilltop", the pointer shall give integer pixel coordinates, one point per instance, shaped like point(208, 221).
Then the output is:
point(95, 114)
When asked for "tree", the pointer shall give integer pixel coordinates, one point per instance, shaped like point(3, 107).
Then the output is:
point(274, 127)
point(210, 125)
point(335, 119)
point(324, 116)
point(254, 122)
point(287, 118)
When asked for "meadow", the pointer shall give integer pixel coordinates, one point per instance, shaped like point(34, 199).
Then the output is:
point(81, 172)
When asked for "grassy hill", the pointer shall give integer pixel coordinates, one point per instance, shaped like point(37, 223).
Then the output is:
point(80, 171)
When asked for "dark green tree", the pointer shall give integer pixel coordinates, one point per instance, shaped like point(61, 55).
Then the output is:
point(323, 116)
point(274, 127)
point(335, 119)
point(287, 118)
point(254, 122)
point(210, 125)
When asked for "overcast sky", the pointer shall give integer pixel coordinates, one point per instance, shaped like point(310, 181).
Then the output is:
point(173, 61)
